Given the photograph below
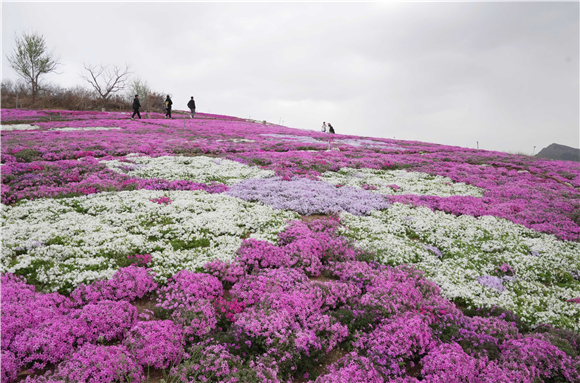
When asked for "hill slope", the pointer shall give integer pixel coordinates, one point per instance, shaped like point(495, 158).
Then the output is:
point(283, 253)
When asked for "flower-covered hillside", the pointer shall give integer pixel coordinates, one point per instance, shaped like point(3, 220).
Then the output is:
point(224, 250)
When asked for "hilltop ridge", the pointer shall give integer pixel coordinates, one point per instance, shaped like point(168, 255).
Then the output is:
point(560, 152)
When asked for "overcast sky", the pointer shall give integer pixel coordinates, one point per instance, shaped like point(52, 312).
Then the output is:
point(503, 74)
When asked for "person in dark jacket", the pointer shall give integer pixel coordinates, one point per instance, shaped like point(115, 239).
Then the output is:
point(168, 104)
point(136, 106)
point(191, 106)
point(330, 129)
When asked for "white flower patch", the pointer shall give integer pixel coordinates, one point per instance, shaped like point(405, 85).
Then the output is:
point(394, 182)
point(291, 137)
point(70, 129)
point(236, 140)
point(19, 127)
point(69, 241)
point(200, 169)
point(472, 247)
point(363, 142)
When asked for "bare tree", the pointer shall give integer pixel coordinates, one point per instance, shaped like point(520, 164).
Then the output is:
point(31, 61)
point(107, 81)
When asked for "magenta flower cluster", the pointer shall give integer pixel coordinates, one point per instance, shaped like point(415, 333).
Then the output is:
point(188, 300)
point(127, 284)
point(162, 200)
point(141, 259)
point(228, 309)
point(157, 344)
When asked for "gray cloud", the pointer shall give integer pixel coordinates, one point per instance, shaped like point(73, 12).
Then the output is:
point(503, 74)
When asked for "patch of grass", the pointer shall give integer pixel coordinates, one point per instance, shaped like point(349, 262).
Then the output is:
point(27, 155)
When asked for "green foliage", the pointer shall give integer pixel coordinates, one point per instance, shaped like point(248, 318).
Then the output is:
point(371, 316)
point(397, 166)
point(367, 256)
point(446, 332)
point(488, 349)
point(131, 186)
point(411, 234)
point(31, 59)
point(179, 244)
point(27, 155)
point(58, 240)
point(260, 161)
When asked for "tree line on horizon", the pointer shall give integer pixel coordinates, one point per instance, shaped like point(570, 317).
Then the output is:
point(112, 86)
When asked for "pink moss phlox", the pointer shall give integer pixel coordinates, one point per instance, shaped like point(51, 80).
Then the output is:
point(158, 344)
point(353, 368)
point(52, 340)
point(399, 338)
point(251, 287)
point(449, 363)
point(20, 114)
point(301, 245)
point(23, 307)
point(188, 287)
point(142, 259)
point(257, 254)
point(227, 272)
point(539, 357)
point(369, 187)
point(162, 200)
point(287, 311)
point(106, 320)
point(495, 327)
point(49, 342)
point(228, 309)
point(97, 363)
point(127, 284)
point(188, 297)
point(506, 269)
point(10, 366)
point(198, 318)
point(211, 362)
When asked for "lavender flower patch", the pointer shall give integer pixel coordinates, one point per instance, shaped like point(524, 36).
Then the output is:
point(491, 282)
point(433, 249)
point(308, 197)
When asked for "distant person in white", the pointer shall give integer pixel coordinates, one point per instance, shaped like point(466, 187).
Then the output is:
point(323, 127)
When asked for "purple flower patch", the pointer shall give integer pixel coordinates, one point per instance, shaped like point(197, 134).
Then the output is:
point(308, 197)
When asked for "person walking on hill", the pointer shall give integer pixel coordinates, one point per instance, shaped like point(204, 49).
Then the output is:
point(136, 106)
point(191, 106)
point(330, 129)
point(323, 127)
point(168, 104)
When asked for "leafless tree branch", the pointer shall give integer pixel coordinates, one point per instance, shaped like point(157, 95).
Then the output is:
point(105, 80)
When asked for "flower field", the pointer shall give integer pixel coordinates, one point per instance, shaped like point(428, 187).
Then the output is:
point(223, 250)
